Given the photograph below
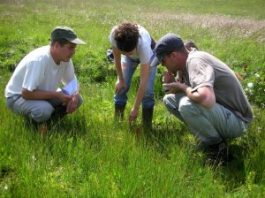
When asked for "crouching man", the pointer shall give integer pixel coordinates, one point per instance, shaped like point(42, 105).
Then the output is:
point(209, 99)
point(32, 89)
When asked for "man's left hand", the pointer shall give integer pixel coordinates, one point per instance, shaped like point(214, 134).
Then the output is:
point(72, 104)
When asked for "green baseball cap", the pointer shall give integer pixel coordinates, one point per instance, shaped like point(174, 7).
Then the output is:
point(67, 33)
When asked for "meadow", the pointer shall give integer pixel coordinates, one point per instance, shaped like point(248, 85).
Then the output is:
point(87, 154)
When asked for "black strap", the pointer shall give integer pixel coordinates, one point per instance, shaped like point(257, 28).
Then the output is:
point(153, 43)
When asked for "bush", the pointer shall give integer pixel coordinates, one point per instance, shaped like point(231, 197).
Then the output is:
point(254, 86)
point(94, 67)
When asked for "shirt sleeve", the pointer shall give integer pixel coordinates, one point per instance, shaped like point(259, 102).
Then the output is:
point(33, 76)
point(144, 50)
point(111, 37)
point(201, 74)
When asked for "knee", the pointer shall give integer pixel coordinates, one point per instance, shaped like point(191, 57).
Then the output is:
point(167, 99)
point(42, 114)
point(187, 107)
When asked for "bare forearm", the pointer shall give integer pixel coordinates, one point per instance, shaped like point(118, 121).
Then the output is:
point(203, 96)
point(39, 94)
point(139, 96)
point(143, 83)
point(117, 62)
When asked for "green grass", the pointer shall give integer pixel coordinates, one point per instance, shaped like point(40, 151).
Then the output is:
point(87, 154)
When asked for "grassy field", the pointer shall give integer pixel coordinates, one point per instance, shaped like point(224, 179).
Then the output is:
point(87, 154)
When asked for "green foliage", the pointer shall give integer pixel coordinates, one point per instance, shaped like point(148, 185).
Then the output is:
point(255, 87)
point(95, 67)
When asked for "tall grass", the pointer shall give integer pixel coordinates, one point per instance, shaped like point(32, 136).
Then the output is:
point(87, 154)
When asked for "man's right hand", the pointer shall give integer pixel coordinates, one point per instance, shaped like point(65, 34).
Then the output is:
point(120, 85)
point(168, 77)
point(64, 98)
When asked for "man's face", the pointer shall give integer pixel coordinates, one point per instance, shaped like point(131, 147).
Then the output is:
point(171, 62)
point(66, 51)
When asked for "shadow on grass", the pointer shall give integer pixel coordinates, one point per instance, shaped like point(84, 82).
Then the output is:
point(234, 171)
point(72, 125)
point(161, 137)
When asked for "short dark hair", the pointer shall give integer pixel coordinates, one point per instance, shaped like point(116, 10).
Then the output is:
point(190, 44)
point(126, 35)
point(61, 41)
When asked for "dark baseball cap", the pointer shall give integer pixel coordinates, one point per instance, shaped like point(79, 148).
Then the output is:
point(65, 33)
point(165, 45)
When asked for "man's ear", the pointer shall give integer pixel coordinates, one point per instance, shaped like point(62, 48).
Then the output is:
point(56, 44)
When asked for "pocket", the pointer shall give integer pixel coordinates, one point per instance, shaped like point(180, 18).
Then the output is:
point(11, 100)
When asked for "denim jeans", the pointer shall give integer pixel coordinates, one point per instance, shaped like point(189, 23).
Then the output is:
point(128, 70)
point(210, 126)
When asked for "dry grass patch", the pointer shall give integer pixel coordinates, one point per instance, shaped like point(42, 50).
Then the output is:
point(242, 27)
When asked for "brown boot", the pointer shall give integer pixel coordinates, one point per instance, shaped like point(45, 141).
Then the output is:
point(119, 112)
point(147, 117)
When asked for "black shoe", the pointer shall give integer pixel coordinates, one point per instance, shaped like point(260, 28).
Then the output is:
point(147, 117)
point(218, 154)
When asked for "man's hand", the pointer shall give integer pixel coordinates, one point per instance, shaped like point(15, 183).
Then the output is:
point(168, 77)
point(133, 115)
point(65, 99)
point(175, 87)
point(120, 85)
point(72, 104)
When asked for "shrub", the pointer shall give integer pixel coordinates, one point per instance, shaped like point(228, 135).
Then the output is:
point(254, 86)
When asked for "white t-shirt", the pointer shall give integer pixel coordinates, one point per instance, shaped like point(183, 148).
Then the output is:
point(37, 70)
point(143, 48)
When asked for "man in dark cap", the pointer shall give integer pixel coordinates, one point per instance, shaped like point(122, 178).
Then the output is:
point(32, 89)
point(209, 99)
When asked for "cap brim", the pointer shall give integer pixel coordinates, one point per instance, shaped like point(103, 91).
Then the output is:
point(77, 41)
point(154, 62)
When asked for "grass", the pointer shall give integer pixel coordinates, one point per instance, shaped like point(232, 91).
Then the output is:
point(87, 154)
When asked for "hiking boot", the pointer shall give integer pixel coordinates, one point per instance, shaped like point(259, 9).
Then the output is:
point(147, 117)
point(119, 112)
point(217, 154)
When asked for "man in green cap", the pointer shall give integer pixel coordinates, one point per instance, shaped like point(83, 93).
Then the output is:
point(32, 89)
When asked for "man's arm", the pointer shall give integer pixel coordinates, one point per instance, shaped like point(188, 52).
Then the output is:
point(203, 95)
point(117, 60)
point(45, 95)
point(144, 75)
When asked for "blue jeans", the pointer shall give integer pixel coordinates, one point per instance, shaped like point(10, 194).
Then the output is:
point(210, 126)
point(128, 69)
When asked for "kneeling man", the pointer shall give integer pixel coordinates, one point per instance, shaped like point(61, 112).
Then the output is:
point(32, 89)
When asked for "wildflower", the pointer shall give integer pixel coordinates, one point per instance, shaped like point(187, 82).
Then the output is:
point(33, 158)
point(250, 85)
point(257, 75)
